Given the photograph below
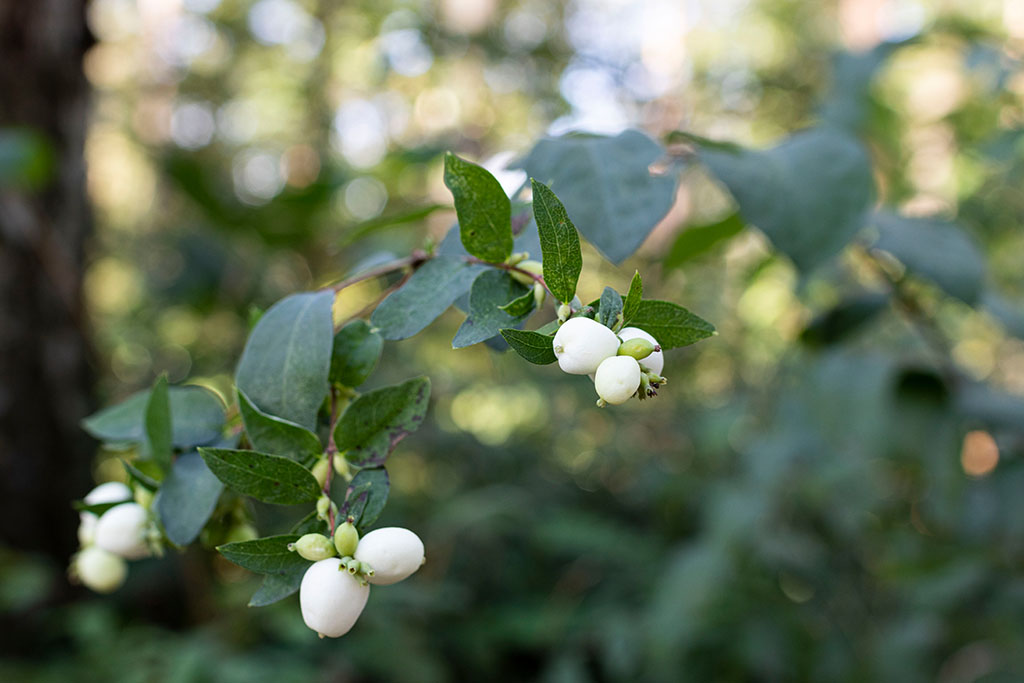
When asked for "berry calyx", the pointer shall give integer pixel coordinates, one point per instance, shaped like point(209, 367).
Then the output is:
point(393, 553)
point(580, 345)
point(331, 600)
point(617, 379)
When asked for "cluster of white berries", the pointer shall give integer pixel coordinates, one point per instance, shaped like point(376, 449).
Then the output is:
point(121, 533)
point(335, 588)
point(584, 346)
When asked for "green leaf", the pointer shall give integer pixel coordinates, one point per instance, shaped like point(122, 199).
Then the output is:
point(287, 358)
point(609, 307)
point(483, 209)
point(633, 297)
point(606, 186)
point(96, 508)
point(559, 243)
point(427, 294)
point(270, 478)
point(277, 587)
point(269, 434)
point(699, 239)
point(844, 319)
point(490, 291)
point(377, 421)
point(310, 524)
point(355, 353)
point(158, 424)
point(521, 306)
point(197, 418)
point(935, 249)
point(671, 324)
point(268, 555)
point(137, 476)
point(366, 497)
point(533, 346)
point(187, 498)
point(810, 195)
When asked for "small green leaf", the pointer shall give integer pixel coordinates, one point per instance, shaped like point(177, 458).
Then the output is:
point(671, 324)
point(355, 353)
point(187, 498)
point(377, 421)
point(269, 434)
point(699, 239)
point(158, 424)
point(633, 296)
point(482, 207)
point(366, 497)
point(268, 555)
point(521, 306)
point(559, 243)
point(136, 475)
point(427, 294)
point(96, 508)
point(533, 346)
point(609, 307)
point(286, 360)
point(269, 478)
point(277, 587)
point(490, 291)
point(197, 418)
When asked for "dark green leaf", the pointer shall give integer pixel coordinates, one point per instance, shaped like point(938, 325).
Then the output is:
point(843, 319)
point(377, 421)
point(633, 297)
point(269, 555)
point(533, 346)
point(269, 434)
point(934, 249)
point(270, 478)
point(277, 587)
point(521, 306)
point(310, 524)
point(559, 243)
point(136, 475)
point(671, 324)
point(96, 508)
point(287, 357)
point(366, 497)
point(699, 239)
point(158, 424)
point(197, 418)
point(810, 195)
point(187, 498)
point(483, 209)
point(427, 294)
point(606, 185)
point(355, 353)
point(609, 308)
point(490, 291)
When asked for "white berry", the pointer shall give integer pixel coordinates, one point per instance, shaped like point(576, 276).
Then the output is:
point(393, 552)
point(122, 531)
point(617, 379)
point(654, 362)
point(110, 492)
point(100, 570)
point(581, 344)
point(331, 599)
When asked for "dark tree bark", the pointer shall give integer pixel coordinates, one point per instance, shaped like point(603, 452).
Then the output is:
point(45, 376)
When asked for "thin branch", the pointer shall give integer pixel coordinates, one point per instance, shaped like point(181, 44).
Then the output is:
point(414, 260)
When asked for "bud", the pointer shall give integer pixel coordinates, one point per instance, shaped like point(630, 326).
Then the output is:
point(324, 507)
point(122, 530)
point(341, 467)
point(564, 311)
point(393, 553)
point(637, 348)
point(526, 279)
point(539, 294)
point(99, 570)
point(654, 362)
point(617, 379)
point(346, 538)
point(320, 471)
point(331, 600)
point(313, 547)
point(580, 344)
point(517, 258)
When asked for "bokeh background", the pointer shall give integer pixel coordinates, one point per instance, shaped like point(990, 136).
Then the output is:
point(808, 499)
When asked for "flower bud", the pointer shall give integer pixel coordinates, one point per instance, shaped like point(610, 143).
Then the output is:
point(99, 570)
point(313, 547)
point(331, 600)
point(122, 530)
point(319, 471)
point(654, 362)
point(346, 538)
point(563, 312)
point(539, 293)
point(617, 379)
point(531, 267)
point(393, 553)
point(581, 344)
point(637, 348)
point(341, 467)
point(325, 506)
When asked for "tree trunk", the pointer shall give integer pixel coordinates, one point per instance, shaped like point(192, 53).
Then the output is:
point(45, 375)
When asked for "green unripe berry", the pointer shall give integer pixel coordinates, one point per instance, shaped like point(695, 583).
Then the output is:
point(341, 467)
point(637, 348)
point(346, 538)
point(320, 470)
point(324, 507)
point(143, 496)
point(531, 267)
point(313, 547)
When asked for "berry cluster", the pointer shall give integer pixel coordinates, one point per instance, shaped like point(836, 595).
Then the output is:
point(122, 532)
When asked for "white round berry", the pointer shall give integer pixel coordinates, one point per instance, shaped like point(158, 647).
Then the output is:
point(393, 552)
point(110, 492)
point(617, 379)
point(580, 345)
point(654, 362)
point(331, 599)
point(99, 570)
point(122, 531)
